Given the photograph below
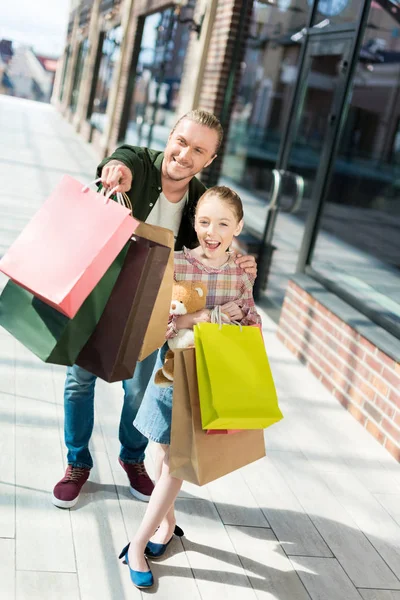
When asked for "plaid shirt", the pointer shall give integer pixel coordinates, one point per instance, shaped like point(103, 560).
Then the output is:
point(228, 283)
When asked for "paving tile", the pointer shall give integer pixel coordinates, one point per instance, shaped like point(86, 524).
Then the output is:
point(33, 377)
point(391, 503)
point(7, 569)
point(325, 579)
point(39, 524)
point(34, 585)
point(211, 554)
point(235, 503)
point(270, 571)
point(99, 536)
point(353, 550)
point(379, 595)
point(7, 465)
point(292, 526)
point(7, 363)
point(370, 516)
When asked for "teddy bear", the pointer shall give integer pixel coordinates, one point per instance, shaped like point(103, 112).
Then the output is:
point(187, 297)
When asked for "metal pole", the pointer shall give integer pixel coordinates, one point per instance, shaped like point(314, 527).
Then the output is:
point(264, 257)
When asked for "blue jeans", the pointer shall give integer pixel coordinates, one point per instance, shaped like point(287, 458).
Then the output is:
point(79, 414)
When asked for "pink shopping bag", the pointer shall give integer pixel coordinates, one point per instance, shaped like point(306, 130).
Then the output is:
point(68, 246)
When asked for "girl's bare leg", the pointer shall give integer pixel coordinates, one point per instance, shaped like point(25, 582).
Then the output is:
point(161, 451)
point(159, 512)
point(167, 526)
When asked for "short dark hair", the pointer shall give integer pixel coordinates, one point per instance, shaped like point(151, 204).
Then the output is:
point(203, 117)
point(227, 195)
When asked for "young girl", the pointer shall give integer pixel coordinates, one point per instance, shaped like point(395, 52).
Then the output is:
point(218, 218)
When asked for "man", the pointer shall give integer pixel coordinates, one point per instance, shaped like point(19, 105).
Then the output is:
point(164, 191)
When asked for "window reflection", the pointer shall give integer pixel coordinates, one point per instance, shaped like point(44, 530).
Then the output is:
point(109, 55)
point(157, 80)
point(358, 247)
point(269, 71)
point(337, 12)
point(64, 71)
point(80, 61)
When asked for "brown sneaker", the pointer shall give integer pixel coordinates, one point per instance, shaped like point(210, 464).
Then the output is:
point(67, 490)
point(141, 486)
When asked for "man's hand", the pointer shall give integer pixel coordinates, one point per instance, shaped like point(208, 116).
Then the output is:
point(115, 175)
point(247, 263)
point(233, 311)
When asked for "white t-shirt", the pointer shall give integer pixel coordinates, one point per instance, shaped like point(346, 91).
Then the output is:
point(167, 214)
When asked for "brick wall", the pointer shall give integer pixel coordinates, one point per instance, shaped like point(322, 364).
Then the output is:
point(224, 42)
point(362, 378)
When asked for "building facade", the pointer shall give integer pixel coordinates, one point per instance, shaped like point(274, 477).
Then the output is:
point(308, 92)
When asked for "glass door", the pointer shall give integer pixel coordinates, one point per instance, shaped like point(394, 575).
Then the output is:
point(305, 154)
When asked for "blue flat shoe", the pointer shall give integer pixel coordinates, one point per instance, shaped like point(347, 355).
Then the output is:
point(141, 579)
point(154, 550)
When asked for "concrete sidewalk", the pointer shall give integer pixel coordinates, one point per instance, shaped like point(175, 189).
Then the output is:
point(319, 518)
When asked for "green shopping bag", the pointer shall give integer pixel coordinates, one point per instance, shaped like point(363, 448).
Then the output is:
point(235, 382)
point(49, 334)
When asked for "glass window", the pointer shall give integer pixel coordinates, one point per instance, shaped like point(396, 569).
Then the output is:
point(358, 245)
point(157, 80)
point(109, 56)
point(337, 12)
point(269, 71)
point(80, 61)
point(64, 71)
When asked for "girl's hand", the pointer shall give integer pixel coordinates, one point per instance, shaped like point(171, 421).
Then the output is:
point(233, 311)
point(247, 263)
point(201, 316)
point(188, 321)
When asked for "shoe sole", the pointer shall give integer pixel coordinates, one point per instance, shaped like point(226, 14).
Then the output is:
point(63, 503)
point(155, 557)
point(138, 495)
point(143, 587)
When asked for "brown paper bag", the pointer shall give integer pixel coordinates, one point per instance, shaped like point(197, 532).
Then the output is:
point(194, 455)
point(113, 349)
point(157, 327)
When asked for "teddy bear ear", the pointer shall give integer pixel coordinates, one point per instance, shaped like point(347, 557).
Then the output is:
point(200, 291)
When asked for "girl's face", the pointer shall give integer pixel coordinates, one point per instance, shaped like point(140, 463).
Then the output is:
point(216, 224)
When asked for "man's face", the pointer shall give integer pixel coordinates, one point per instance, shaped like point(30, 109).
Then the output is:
point(190, 148)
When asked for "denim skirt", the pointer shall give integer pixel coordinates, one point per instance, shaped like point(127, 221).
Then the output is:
point(154, 416)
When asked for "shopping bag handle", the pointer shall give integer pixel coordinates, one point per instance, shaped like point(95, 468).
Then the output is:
point(101, 191)
point(216, 317)
point(122, 197)
point(126, 201)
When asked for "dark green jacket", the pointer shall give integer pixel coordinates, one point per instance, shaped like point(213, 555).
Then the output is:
point(145, 165)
